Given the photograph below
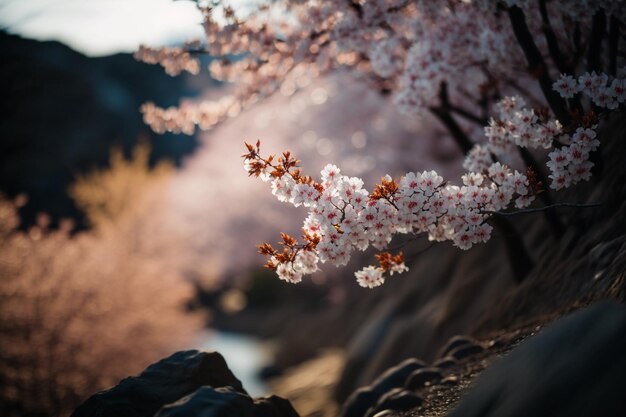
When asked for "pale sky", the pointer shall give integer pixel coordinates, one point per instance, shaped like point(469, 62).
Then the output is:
point(103, 27)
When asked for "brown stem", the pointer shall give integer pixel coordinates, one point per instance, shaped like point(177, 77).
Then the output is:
point(442, 112)
point(543, 209)
point(468, 116)
point(519, 258)
point(555, 51)
point(536, 64)
point(594, 49)
point(453, 127)
point(613, 45)
point(553, 44)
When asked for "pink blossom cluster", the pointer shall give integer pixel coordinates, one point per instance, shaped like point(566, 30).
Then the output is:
point(604, 91)
point(451, 47)
point(412, 47)
point(407, 47)
point(185, 117)
point(570, 164)
point(173, 60)
point(520, 126)
point(516, 125)
point(345, 217)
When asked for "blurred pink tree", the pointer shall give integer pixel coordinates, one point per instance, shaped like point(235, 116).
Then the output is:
point(79, 311)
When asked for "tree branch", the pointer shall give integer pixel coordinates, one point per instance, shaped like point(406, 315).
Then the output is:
point(541, 209)
point(553, 44)
point(453, 127)
point(594, 48)
point(469, 116)
point(536, 64)
point(613, 45)
point(442, 112)
point(521, 262)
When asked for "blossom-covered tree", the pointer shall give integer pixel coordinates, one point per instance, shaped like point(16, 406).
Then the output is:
point(507, 79)
point(81, 310)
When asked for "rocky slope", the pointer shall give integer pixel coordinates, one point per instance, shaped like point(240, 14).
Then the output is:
point(404, 360)
point(572, 368)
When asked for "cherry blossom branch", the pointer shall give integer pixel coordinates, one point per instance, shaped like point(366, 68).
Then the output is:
point(343, 216)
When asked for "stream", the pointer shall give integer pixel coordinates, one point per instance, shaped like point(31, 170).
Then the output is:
point(245, 356)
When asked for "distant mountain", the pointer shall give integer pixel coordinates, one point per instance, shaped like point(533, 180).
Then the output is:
point(61, 112)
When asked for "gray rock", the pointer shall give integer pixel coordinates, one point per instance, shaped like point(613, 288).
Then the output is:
point(574, 368)
point(445, 363)
point(386, 413)
point(465, 351)
point(450, 380)
point(273, 406)
point(454, 343)
point(210, 402)
point(395, 377)
point(397, 399)
point(359, 402)
point(362, 399)
point(421, 377)
point(226, 402)
point(161, 383)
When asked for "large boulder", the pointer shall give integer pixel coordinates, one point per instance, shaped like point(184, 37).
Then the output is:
point(210, 402)
point(273, 406)
point(397, 399)
point(161, 383)
point(364, 398)
point(574, 368)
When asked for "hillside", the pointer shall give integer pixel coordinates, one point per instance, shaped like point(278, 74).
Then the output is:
point(62, 112)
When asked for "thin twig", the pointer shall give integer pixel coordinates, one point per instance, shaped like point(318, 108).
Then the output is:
point(540, 209)
point(423, 250)
point(406, 242)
